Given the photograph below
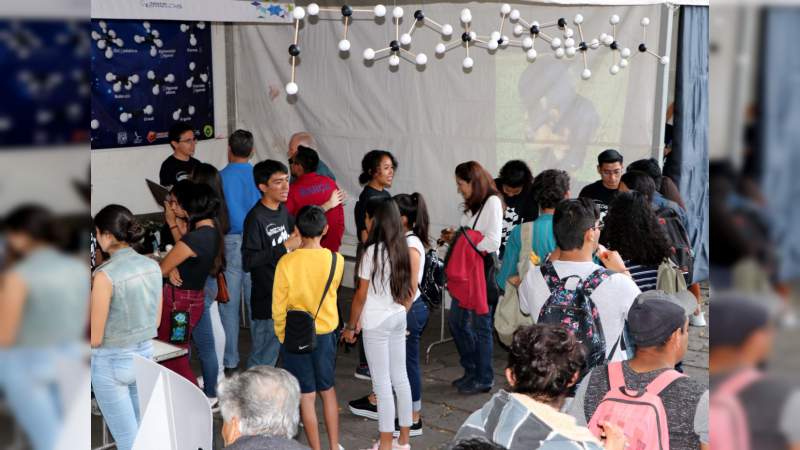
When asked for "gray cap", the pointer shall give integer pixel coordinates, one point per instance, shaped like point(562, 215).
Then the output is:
point(684, 299)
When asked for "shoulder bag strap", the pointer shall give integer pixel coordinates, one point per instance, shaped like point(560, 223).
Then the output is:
point(334, 257)
point(479, 214)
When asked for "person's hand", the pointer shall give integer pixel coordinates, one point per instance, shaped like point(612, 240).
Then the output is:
point(294, 241)
point(515, 280)
point(175, 278)
point(169, 214)
point(611, 259)
point(447, 235)
point(183, 225)
point(349, 336)
point(337, 198)
point(612, 436)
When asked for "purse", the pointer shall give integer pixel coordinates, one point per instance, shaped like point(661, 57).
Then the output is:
point(301, 330)
point(178, 321)
point(222, 288)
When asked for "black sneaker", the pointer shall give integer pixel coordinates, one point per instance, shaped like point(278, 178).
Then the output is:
point(362, 407)
point(416, 428)
point(231, 371)
point(475, 388)
point(463, 381)
point(362, 372)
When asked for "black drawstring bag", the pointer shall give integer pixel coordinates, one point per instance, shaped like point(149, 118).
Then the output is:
point(301, 329)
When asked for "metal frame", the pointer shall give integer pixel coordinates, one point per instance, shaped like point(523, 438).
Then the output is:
point(662, 80)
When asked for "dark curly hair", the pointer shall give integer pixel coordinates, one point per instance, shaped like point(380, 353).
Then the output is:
point(632, 228)
point(544, 360)
point(550, 187)
point(640, 182)
point(476, 443)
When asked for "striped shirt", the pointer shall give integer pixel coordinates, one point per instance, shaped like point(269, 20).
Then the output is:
point(645, 277)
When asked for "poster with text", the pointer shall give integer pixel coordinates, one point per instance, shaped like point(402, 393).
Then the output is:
point(147, 75)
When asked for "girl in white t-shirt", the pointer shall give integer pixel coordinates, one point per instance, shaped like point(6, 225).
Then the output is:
point(384, 293)
point(415, 218)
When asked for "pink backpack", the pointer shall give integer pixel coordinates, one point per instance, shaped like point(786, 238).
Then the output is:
point(728, 421)
point(641, 415)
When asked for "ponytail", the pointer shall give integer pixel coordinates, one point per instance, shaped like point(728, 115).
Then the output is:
point(414, 209)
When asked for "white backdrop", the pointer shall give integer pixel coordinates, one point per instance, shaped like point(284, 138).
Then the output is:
point(432, 119)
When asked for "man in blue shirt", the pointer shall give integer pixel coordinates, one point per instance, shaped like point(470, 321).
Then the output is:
point(241, 194)
point(305, 138)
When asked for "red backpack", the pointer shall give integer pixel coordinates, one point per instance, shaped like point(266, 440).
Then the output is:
point(728, 421)
point(640, 414)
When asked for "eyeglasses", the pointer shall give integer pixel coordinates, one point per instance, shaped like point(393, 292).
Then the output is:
point(609, 173)
point(193, 139)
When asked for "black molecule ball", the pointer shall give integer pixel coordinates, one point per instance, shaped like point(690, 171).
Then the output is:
point(642, 48)
point(534, 29)
point(395, 46)
point(347, 11)
point(562, 22)
point(466, 37)
point(294, 49)
point(419, 15)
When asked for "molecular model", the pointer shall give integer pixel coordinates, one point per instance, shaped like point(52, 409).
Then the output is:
point(563, 46)
point(157, 82)
point(185, 27)
point(106, 38)
point(126, 116)
point(151, 37)
point(120, 81)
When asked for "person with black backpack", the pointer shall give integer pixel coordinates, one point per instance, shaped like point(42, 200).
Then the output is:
point(570, 289)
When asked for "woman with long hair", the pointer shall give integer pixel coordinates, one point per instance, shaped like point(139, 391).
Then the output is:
point(472, 332)
point(125, 312)
point(414, 215)
point(632, 229)
point(383, 296)
point(196, 254)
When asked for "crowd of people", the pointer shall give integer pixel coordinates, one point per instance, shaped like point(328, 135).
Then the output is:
point(588, 273)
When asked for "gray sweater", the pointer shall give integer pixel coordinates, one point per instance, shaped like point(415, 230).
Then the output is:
point(265, 443)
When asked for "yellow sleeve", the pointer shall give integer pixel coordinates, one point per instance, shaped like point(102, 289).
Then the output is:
point(280, 298)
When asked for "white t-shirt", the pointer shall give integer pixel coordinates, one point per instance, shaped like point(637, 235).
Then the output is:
point(415, 243)
point(490, 224)
point(380, 304)
point(613, 297)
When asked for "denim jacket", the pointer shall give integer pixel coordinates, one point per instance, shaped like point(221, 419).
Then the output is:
point(136, 281)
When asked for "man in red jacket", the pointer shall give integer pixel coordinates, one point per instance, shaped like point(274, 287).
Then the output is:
point(311, 188)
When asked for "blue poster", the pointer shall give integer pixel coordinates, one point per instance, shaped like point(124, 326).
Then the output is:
point(147, 75)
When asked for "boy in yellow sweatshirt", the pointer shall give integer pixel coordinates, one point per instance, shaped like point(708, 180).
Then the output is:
point(300, 280)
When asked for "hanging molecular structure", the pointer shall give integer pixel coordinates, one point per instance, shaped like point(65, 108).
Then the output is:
point(562, 43)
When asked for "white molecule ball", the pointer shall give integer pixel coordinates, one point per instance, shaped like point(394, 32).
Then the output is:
point(535, 23)
point(298, 13)
point(645, 21)
point(169, 78)
point(291, 88)
point(569, 42)
point(405, 39)
point(397, 12)
point(495, 36)
point(313, 9)
point(379, 10)
point(440, 48)
point(95, 124)
point(608, 40)
point(505, 9)
point(531, 54)
point(473, 35)
point(664, 60)
point(578, 19)
point(505, 42)
point(514, 16)
point(447, 29)
point(560, 53)
point(109, 53)
point(594, 44)
point(518, 30)
point(422, 59)
point(344, 45)
point(124, 117)
point(569, 32)
point(527, 42)
point(623, 63)
point(555, 43)
point(625, 52)
point(110, 77)
point(466, 15)
point(602, 37)
point(394, 60)
point(570, 51)
point(614, 69)
point(148, 110)
point(134, 78)
point(369, 54)
point(468, 63)
point(492, 45)
point(614, 19)
point(586, 74)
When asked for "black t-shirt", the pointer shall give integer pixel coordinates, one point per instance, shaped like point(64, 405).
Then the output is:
point(265, 231)
point(174, 170)
point(205, 242)
point(361, 207)
point(601, 195)
point(519, 208)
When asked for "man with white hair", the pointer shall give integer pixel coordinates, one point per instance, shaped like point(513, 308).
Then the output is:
point(260, 409)
point(305, 138)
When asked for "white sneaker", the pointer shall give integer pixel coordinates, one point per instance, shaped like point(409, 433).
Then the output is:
point(200, 382)
point(789, 319)
point(698, 320)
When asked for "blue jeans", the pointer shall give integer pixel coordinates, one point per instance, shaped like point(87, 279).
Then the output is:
point(29, 382)
point(266, 345)
point(203, 337)
point(416, 320)
point(472, 334)
point(114, 385)
point(238, 284)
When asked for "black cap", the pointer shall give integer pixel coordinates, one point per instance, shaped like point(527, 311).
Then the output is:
point(736, 318)
point(652, 322)
point(609, 156)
